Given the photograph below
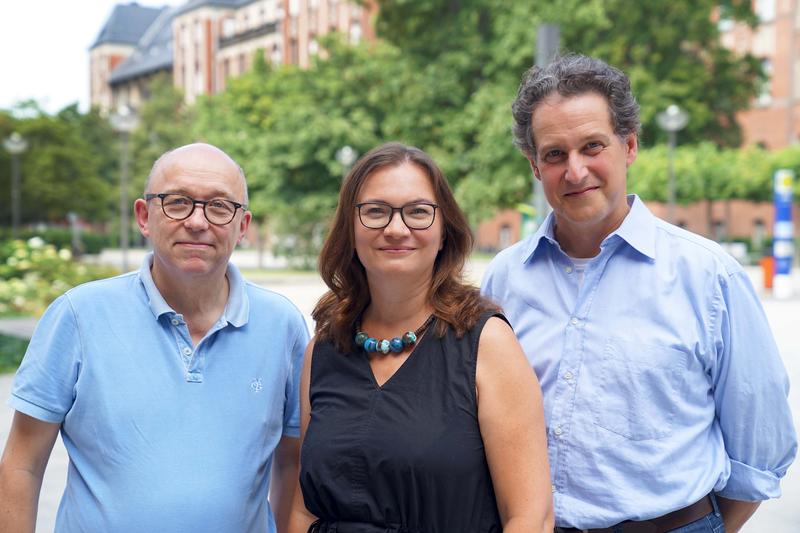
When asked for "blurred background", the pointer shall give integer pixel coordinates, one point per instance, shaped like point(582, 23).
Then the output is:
point(295, 90)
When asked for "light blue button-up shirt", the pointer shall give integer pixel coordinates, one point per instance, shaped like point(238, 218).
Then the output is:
point(164, 434)
point(661, 378)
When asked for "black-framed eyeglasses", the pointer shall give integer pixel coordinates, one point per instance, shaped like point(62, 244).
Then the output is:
point(218, 211)
point(378, 215)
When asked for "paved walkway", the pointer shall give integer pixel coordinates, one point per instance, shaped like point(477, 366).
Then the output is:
point(774, 516)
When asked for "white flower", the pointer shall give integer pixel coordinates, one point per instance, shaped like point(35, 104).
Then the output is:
point(65, 254)
point(35, 242)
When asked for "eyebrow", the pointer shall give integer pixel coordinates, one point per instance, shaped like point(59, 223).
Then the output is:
point(415, 201)
point(544, 148)
point(216, 193)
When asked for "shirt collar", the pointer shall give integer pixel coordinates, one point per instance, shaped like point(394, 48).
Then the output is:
point(638, 229)
point(236, 310)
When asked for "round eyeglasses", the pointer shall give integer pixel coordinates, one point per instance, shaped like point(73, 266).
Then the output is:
point(378, 215)
point(218, 211)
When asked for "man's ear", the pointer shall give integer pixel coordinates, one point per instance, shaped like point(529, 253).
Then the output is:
point(535, 169)
point(142, 215)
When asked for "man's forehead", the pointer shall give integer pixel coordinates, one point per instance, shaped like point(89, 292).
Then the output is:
point(198, 165)
point(560, 114)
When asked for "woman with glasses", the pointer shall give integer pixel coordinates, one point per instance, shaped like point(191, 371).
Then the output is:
point(420, 413)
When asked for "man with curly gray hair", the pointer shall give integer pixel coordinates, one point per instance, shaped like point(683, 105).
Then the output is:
point(665, 395)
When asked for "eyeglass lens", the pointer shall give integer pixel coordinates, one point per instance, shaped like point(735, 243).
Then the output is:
point(415, 216)
point(179, 207)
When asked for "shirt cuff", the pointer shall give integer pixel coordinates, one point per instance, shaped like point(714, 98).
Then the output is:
point(749, 484)
point(291, 431)
point(31, 409)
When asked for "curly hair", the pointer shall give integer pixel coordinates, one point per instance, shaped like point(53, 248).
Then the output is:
point(454, 302)
point(573, 75)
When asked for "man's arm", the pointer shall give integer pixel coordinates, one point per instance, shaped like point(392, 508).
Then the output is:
point(285, 472)
point(21, 471)
point(735, 513)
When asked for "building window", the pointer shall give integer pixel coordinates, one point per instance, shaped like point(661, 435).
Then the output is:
point(355, 32)
point(242, 63)
point(504, 239)
point(765, 9)
point(294, 52)
point(294, 8)
point(764, 97)
point(228, 27)
point(313, 47)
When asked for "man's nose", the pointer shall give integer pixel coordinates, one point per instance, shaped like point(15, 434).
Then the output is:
point(576, 169)
point(197, 220)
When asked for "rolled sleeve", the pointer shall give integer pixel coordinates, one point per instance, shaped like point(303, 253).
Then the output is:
point(751, 393)
point(291, 419)
point(44, 386)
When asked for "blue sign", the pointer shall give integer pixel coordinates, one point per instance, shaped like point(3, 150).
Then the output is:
point(783, 232)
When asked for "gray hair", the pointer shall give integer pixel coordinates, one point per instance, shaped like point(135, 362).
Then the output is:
point(574, 75)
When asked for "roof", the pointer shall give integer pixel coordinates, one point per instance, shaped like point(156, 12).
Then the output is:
point(127, 24)
point(153, 51)
point(195, 4)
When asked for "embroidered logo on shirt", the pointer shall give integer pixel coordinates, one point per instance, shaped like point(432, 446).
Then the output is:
point(256, 385)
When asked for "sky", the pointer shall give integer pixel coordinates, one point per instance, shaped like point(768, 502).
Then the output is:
point(44, 49)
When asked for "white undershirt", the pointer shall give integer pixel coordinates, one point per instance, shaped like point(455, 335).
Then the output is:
point(579, 264)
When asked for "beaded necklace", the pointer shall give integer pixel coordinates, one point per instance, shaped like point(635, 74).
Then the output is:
point(396, 345)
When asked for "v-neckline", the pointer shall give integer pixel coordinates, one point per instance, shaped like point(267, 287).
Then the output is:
point(374, 379)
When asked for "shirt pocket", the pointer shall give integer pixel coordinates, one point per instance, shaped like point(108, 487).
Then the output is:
point(637, 389)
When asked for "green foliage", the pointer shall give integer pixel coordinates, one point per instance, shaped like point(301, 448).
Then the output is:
point(12, 349)
point(33, 274)
point(61, 170)
point(165, 122)
point(478, 49)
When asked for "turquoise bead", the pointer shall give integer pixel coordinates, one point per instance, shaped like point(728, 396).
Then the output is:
point(384, 346)
point(371, 344)
point(396, 344)
point(410, 338)
point(360, 338)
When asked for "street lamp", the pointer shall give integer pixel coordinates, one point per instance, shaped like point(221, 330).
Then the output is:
point(124, 121)
point(672, 121)
point(15, 145)
point(346, 156)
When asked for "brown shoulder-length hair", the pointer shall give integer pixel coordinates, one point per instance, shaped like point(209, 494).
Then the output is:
point(454, 302)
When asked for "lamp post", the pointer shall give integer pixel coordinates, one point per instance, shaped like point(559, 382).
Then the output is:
point(15, 145)
point(346, 156)
point(672, 121)
point(124, 121)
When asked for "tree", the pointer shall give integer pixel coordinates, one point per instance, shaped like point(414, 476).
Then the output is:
point(60, 173)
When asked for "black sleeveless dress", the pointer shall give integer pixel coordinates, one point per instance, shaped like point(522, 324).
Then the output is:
point(406, 457)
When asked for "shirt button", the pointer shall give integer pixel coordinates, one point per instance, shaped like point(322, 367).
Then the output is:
point(568, 270)
point(175, 321)
point(574, 321)
point(558, 431)
point(187, 351)
point(568, 375)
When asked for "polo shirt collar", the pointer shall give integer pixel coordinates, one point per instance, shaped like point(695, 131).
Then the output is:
point(236, 310)
point(638, 229)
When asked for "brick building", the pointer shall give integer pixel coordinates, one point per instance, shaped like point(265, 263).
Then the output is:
point(203, 43)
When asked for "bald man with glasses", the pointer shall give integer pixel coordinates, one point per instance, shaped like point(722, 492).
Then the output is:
point(174, 387)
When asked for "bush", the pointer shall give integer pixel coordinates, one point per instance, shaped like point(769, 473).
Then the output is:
point(92, 243)
point(33, 274)
point(11, 351)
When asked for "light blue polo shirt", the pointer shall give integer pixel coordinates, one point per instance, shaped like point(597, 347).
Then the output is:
point(163, 435)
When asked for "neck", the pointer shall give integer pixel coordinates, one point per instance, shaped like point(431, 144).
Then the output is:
point(583, 241)
point(197, 299)
point(396, 305)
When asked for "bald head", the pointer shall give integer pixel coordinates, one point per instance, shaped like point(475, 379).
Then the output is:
point(198, 159)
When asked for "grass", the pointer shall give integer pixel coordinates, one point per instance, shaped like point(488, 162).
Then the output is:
point(11, 351)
